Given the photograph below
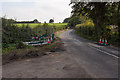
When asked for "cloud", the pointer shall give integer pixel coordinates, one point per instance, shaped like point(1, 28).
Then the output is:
point(42, 10)
point(11, 0)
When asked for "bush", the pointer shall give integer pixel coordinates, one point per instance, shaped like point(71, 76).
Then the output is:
point(13, 34)
point(85, 28)
point(20, 45)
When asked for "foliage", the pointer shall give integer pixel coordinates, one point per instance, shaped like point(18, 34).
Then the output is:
point(85, 29)
point(12, 34)
point(51, 21)
point(66, 20)
point(88, 31)
point(101, 15)
point(35, 21)
point(100, 12)
point(20, 45)
point(73, 21)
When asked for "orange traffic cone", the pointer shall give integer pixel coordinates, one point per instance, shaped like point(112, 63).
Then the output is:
point(106, 43)
point(51, 39)
point(100, 40)
point(48, 40)
point(54, 37)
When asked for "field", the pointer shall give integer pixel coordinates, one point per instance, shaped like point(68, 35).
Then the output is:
point(33, 25)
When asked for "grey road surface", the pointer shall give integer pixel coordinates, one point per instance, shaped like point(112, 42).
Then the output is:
point(81, 59)
point(98, 63)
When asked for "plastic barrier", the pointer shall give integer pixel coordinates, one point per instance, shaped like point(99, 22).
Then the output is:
point(44, 39)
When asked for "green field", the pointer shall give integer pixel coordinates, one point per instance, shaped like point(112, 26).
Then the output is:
point(33, 25)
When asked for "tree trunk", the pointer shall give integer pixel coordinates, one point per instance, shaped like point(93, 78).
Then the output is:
point(97, 21)
point(99, 7)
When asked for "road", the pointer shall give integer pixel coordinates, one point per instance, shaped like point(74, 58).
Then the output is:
point(98, 63)
point(79, 60)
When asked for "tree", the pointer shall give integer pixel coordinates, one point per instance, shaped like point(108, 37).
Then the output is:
point(35, 21)
point(66, 20)
point(99, 12)
point(116, 18)
point(51, 21)
point(73, 21)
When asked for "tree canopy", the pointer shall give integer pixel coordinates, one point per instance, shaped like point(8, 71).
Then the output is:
point(51, 21)
point(102, 13)
point(66, 20)
point(35, 21)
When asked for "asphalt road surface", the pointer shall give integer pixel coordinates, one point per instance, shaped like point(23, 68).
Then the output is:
point(79, 60)
point(98, 63)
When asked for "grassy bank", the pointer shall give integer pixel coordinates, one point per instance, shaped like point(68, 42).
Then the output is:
point(12, 54)
point(88, 31)
point(13, 34)
point(86, 37)
point(112, 40)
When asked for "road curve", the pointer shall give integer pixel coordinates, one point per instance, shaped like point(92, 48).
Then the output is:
point(95, 62)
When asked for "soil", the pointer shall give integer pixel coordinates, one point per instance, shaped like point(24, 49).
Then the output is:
point(27, 53)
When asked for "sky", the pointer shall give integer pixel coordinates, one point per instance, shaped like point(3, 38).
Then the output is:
point(43, 10)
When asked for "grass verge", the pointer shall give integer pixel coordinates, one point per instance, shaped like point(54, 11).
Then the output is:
point(92, 38)
point(14, 54)
point(87, 37)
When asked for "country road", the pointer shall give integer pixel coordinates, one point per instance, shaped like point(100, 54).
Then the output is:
point(79, 60)
point(96, 62)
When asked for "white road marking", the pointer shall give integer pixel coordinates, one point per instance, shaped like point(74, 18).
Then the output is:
point(105, 52)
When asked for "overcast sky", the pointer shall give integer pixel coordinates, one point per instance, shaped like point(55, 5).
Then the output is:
point(43, 10)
